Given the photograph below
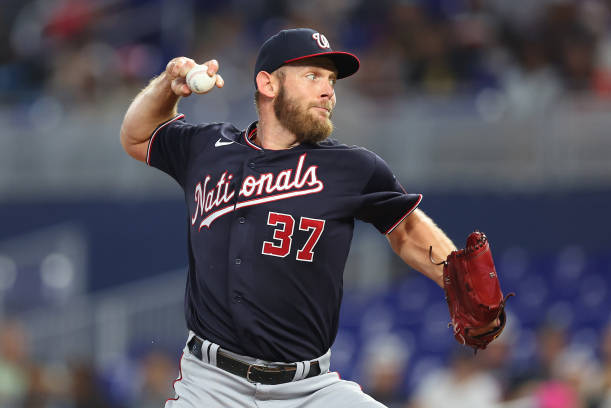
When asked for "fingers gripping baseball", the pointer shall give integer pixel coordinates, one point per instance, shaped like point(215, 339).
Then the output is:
point(176, 71)
point(178, 68)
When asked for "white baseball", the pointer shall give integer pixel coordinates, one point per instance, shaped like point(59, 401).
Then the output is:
point(199, 81)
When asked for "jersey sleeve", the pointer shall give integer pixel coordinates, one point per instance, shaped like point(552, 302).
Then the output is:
point(169, 147)
point(384, 202)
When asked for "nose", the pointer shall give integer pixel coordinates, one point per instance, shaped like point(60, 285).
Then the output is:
point(327, 90)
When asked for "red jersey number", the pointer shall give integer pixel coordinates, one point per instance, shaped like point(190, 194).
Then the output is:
point(316, 228)
point(283, 235)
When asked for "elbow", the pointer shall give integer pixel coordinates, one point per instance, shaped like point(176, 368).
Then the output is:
point(124, 139)
point(396, 241)
point(134, 150)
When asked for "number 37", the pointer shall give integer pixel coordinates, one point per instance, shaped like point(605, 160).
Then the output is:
point(283, 235)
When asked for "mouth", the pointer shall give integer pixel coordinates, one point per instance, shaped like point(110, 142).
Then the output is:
point(324, 109)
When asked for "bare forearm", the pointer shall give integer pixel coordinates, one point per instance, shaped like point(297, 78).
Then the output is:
point(155, 104)
point(412, 239)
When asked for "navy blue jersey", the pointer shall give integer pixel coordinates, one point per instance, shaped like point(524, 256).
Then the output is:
point(270, 231)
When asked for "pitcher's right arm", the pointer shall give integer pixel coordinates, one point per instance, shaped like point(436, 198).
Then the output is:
point(157, 103)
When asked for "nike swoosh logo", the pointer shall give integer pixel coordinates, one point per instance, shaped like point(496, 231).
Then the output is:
point(219, 143)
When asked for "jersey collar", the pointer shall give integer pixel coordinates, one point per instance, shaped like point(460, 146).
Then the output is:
point(250, 134)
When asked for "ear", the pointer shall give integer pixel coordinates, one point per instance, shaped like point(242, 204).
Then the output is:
point(266, 84)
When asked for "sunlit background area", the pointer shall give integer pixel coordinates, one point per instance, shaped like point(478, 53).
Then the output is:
point(498, 111)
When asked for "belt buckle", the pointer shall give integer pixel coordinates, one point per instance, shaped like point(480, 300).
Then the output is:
point(248, 372)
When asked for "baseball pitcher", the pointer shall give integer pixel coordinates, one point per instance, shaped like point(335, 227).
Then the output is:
point(271, 212)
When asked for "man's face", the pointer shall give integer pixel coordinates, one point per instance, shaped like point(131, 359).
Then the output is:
point(306, 98)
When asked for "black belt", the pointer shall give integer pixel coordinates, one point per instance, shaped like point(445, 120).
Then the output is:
point(254, 373)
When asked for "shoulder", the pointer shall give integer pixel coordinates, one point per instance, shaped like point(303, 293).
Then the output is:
point(355, 153)
point(228, 130)
point(197, 135)
point(335, 144)
point(355, 159)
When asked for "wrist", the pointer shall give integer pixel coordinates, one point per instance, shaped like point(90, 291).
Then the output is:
point(160, 91)
point(162, 85)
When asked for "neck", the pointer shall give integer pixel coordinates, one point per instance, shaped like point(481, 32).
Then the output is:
point(272, 135)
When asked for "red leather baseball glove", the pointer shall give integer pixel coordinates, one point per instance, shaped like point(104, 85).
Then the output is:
point(473, 293)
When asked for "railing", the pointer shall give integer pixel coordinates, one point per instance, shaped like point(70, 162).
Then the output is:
point(107, 325)
point(428, 143)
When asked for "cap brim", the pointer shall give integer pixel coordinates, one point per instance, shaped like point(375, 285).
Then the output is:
point(345, 62)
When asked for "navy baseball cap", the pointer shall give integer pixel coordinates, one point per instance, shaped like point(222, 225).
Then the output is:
point(298, 44)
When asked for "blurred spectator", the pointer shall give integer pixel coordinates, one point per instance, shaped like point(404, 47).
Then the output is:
point(158, 371)
point(86, 390)
point(496, 359)
point(24, 383)
point(560, 376)
point(531, 85)
point(464, 383)
point(14, 362)
point(384, 364)
point(430, 69)
point(579, 371)
point(473, 32)
point(551, 345)
point(82, 50)
point(600, 396)
point(577, 61)
point(556, 394)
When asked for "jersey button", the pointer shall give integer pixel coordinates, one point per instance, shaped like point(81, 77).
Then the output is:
point(238, 261)
point(242, 220)
point(251, 165)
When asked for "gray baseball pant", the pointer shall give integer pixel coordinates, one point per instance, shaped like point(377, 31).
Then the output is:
point(203, 385)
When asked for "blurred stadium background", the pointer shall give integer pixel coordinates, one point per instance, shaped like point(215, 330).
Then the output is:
point(498, 111)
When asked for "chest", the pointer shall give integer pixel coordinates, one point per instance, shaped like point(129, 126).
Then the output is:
point(299, 183)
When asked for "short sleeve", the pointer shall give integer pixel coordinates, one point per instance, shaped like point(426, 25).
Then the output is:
point(169, 147)
point(384, 202)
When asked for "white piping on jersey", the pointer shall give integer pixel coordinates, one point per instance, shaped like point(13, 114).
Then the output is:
point(396, 224)
point(247, 138)
point(148, 150)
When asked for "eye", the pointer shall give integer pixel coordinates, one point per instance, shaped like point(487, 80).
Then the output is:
point(333, 82)
point(311, 76)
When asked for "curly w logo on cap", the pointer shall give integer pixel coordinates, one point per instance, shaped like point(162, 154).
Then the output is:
point(321, 40)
